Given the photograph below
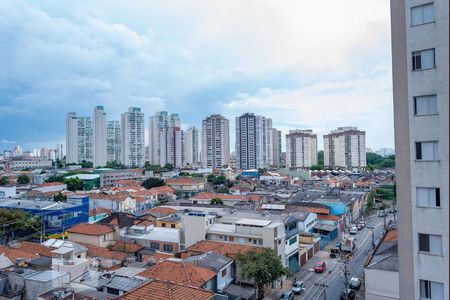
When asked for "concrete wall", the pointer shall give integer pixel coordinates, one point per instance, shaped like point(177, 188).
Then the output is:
point(101, 241)
point(381, 285)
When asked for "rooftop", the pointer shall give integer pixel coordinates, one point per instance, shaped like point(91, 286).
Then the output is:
point(165, 290)
point(90, 229)
point(209, 260)
point(179, 272)
point(227, 249)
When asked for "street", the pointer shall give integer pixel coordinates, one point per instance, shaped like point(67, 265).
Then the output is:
point(329, 285)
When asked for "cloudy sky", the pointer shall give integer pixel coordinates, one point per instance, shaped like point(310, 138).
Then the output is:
point(306, 64)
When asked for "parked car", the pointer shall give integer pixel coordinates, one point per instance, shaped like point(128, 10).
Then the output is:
point(354, 230)
point(361, 225)
point(354, 283)
point(380, 213)
point(349, 293)
point(320, 267)
point(298, 287)
point(287, 295)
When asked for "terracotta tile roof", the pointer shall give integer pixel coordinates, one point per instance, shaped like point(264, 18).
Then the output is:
point(391, 235)
point(157, 257)
point(99, 210)
point(95, 251)
point(183, 180)
point(35, 248)
point(112, 197)
point(127, 182)
point(51, 184)
point(328, 217)
point(90, 229)
point(126, 247)
point(13, 254)
point(208, 195)
point(226, 249)
point(163, 189)
point(162, 210)
point(164, 290)
point(179, 272)
point(143, 222)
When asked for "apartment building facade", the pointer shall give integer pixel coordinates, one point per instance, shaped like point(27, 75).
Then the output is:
point(79, 138)
point(99, 137)
point(113, 141)
point(301, 149)
point(276, 142)
point(192, 149)
point(420, 37)
point(215, 142)
point(132, 137)
point(345, 148)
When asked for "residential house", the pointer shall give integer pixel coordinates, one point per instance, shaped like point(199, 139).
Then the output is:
point(119, 202)
point(94, 234)
point(104, 258)
point(187, 186)
point(228, 200)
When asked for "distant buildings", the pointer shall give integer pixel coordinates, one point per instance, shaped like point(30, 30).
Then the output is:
point(132, 137)
point(420, 66)
point(385, 152)
point(254, 147)
point(100, 137)
point(215, 142)
point(345, 148)
point(113, 143)
point(192, 143)
point(276, 140)
point(301, 149)
point(78, 139)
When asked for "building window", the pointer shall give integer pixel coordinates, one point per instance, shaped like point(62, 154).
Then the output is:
point(428, 197)
point(168, 248)
point(224, 272)
point(104, 237)
point(422, 14)
point(431, 290)
point(293, 240)
point(425, 105)
point(422, 60)
point(426, 150)
point(172, 225)
point(430, 243)
point(154, 245)
point(163, 224)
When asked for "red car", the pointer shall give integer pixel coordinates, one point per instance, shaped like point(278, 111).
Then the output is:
point(320, 267)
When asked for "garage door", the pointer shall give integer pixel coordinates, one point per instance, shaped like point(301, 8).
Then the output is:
point(303, 259)
point(310, 253)
point(317, 247)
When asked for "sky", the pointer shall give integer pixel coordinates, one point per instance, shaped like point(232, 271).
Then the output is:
point(317, 65)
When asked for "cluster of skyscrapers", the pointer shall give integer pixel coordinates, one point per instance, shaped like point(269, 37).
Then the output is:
point(258, 144)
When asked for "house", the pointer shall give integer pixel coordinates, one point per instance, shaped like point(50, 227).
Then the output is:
point(56, 215)
point(181, 273)
point(156, 238)
point(104, 258)
point(64, 260)
point(51, 187)
point(145, 199)
point(167, 290)
point(94, 234)
point(381, 276)
point(10, 256)
point(229, 200)
point(217, 263)
point(187, 186)
point(119, 285)
point(119, 202)
point(226, 249)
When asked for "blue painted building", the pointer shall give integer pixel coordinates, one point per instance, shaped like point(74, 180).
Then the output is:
point(57, 216)
point(250, 173)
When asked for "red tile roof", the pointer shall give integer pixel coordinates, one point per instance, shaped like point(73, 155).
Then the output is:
point(162, 210)
point(95, 251)
point(51, 184)
point(165, 189)
point(226, 249)
point(98, 211)
point(13, 254)
point(328, 217)
point(164, 290)
point(208, 196)
point(391, 235)
point(126, 247)
point(157, 257)
point(35, 248)
point(90, 229)
point(179, 272)
point(183, 180)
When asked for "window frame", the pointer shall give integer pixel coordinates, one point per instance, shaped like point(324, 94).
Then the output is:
point(436, 200)
point(427, 238)
point(420, 151)
point(415, 98)
point(414, 61)
point(422, 6)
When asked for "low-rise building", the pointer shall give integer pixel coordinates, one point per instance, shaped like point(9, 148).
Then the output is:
point(94, 234)
point(109, 176)
point(186, 185)
point(90, 181)
point(51, 187)
point(152, 237)
point(8, 192)
point(19, 163)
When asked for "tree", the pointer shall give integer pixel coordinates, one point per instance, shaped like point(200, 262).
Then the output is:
point(59, 197)
point(218, 180)
point(262, 170)
point(316, 167)
point(4, 180)
point(55, 178)
point(320, 160)
point(86, 164)
point(168, 167)
point(74, 184)
point(262, 266)
point(152, 182)
point(216, 201)
point(23, 179)
point(115, 165)
point(223, 190)
point(17, 223)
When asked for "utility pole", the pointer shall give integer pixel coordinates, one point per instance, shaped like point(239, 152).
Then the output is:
point(373, 236)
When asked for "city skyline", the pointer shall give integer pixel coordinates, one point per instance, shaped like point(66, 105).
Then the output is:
point(297, 88)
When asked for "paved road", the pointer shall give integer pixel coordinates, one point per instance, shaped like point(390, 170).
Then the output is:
point(333, 277)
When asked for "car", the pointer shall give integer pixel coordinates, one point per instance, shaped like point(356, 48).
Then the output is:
point(320, 267)
point(298, 287)
point(361, 224)
point(348, 294)
point(287, 295)
point(354, 283)
point(354, 230)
